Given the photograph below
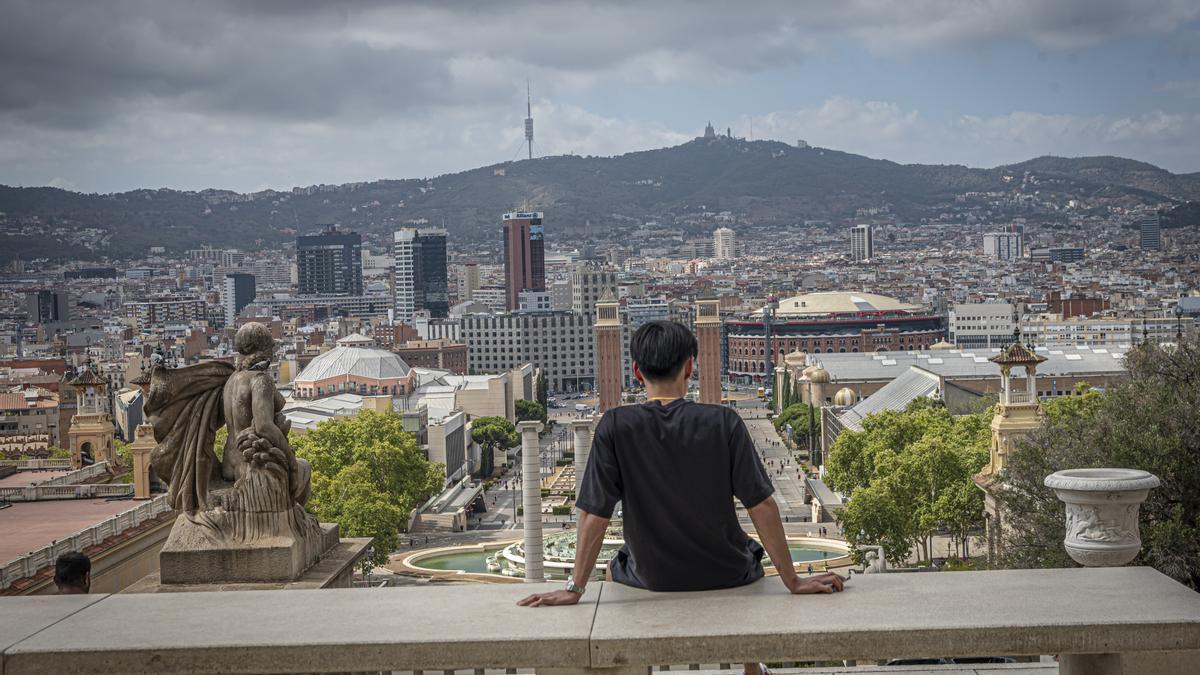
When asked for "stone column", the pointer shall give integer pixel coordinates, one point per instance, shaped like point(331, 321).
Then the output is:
point(583, 447)
point(143, 443)
point(531, 483)
point(708, 360)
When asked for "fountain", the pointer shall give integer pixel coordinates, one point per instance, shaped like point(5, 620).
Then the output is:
point(507, 561)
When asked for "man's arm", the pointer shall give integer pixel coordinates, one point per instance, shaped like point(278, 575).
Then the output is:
point(587, 549)
point(769, 526)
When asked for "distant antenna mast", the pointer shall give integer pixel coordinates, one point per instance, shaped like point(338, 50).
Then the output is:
point(528, 119)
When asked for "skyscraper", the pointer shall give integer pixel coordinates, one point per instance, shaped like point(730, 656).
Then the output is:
point(1151, 232)
point(862, 243)
point(724, 244)
point(239, 292)
point(421, 277)
point(589, 285)
point(524, 255)
point(329, 263)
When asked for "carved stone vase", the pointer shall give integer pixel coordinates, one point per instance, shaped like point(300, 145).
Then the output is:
point(1102, 513)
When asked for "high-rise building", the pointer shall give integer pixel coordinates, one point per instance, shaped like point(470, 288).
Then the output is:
point(862, 243)
point(609, 363)
point(724, 244)
point(421, 282)
point(1003, 245)
point(1151, 232)
point(47, 306)
point(239, 292)
point(329, 263)
point(708, 360)
point(468, 281)
point(524, 255)
point(589, 285)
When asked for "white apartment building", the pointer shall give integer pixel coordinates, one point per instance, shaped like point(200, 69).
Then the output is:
point(862, 243)
point(724, 244)
point(982, 325)
point(562, 344)
point(403, 270)
point(1003, 245)
point(1051, 330)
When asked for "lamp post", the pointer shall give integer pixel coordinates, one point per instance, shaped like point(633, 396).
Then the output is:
point(768, 318)
point(1178, 323)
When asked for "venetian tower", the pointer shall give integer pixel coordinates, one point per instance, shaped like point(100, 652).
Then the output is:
point(708, 335)
point(609, 364)
point(1018, 414)
point(91, 433)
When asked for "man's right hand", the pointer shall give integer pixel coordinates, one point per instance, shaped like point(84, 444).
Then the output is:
point(827, 582)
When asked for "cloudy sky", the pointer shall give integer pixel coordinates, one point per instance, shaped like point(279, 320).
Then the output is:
point(112, 95)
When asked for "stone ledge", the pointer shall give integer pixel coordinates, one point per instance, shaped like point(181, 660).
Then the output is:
point(1127, 611)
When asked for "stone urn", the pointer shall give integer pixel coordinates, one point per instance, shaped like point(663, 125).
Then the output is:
point(1102, 513)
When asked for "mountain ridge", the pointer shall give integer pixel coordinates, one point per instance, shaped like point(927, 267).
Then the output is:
point(764, 182)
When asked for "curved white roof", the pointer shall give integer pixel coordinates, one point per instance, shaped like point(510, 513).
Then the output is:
point(834, 302)
point(378, 364)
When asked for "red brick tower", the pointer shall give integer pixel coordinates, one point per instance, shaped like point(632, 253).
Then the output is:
point(708, 362)
point(609, 364)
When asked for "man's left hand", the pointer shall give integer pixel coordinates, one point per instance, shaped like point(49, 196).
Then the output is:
point(561, 597)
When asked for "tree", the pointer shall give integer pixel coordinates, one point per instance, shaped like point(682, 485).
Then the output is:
point(543, 392)
point(492, 434)
point(368, 476)
point(1150, 423)
point(907, 474)
point(124, 453)
point(530, 411)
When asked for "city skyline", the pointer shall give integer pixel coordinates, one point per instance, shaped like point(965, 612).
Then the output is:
point(212, 99)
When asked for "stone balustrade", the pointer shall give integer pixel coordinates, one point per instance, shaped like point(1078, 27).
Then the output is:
point(1099, 621)
point(30, 564)
point(33, 493)
point(79, 475)
point(36, 464)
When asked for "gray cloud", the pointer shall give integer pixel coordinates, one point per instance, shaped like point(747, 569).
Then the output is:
point(100, 92)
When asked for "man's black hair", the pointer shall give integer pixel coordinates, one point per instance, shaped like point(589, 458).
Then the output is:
point(71, 570)
point(660, 348)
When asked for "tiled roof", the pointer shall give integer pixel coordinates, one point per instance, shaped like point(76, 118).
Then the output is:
point(1017, 354)
point(966, 364)
point(895, 395)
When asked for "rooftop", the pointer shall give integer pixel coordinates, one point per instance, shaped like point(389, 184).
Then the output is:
point(31, 525)
point(837, 302)
point(367, 362)
point(967, 363)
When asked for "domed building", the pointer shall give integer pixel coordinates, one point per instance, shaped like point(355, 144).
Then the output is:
point(357, 366)
point(829, 322)
point(845, 397)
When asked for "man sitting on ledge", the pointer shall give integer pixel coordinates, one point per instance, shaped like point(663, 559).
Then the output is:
point(676, 466)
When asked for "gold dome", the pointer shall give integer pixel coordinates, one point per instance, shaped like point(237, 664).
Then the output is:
point(941, 344)
point(819, 375)
point(844, 397)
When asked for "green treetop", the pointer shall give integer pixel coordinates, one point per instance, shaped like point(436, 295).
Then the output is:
point(493, 434)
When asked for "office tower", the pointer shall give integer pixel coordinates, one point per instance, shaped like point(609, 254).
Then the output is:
point(609, 364)
point(1003, 245)
point(589, 285)
point(708, 361)
point(421, 282)
point(862, 243)
point(47, 306)
point(1151, 232)
point(524, 255)
point(239, 292)
point(329, 263)
point(724, 244)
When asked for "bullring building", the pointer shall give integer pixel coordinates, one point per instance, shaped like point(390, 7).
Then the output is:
point(830, 322)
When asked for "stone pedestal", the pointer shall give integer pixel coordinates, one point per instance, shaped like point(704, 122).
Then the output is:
point(582, 429)
point(531, 483)
point(1102, 513)
point(280, 550)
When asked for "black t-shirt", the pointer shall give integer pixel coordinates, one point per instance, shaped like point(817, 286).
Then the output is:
point(676, 468)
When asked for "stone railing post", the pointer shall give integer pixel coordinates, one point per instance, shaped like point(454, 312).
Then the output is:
point(531, 484)
point(583, 447)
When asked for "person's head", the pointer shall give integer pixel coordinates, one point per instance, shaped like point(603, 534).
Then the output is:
point(73, 573)
point(662, 352)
